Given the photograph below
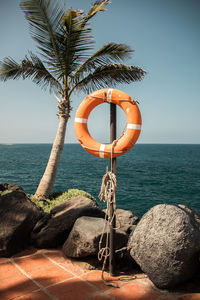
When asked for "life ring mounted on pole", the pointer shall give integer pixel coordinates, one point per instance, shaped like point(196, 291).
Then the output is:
point(122, 144)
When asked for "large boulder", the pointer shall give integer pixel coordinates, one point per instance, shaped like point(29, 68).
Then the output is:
point(57, 228)
point(84, 238)
point(10, 186)
point(18, 216)
point(166, 244)
point(41, 223)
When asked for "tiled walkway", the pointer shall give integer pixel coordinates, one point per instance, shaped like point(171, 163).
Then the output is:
point(44, 275)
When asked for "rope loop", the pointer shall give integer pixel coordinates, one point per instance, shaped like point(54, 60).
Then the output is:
point(108, 195)
point(103, 252)
point(108, 187)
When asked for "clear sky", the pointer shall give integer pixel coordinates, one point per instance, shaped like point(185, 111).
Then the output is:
point(165, 35)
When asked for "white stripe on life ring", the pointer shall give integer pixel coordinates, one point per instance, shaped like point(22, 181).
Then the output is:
point(109, 95)
point(101, 150)
point(134, 126)
point(80, 120)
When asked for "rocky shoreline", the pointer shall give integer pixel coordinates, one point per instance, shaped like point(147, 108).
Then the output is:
point(164, 244)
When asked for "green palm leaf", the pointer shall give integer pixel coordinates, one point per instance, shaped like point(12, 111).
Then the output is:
point(78, 41)
point(107, 54)
point(44, 17)
point(63, 39)
point(75, 40)
point(29, 68)
point(109, 75)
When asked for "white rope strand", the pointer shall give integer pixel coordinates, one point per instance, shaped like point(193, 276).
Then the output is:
point(107, 194)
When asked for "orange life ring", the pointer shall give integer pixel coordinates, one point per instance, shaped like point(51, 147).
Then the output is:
point(126, 141)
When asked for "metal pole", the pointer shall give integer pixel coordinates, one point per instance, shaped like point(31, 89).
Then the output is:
point(113, 133)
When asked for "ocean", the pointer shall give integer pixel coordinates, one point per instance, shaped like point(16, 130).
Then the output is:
point(149, 174)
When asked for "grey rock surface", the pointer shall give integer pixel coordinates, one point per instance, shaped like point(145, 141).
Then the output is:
point(57, 228)
point(166, 244)
point(125, 220)
point(18, 216)
point(84, 238)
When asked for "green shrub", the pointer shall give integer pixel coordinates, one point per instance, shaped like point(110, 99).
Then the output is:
point(48, 204)
point(73, 193)
point(45, 205)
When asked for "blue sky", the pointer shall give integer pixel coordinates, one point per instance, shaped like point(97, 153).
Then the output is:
point(165, 37)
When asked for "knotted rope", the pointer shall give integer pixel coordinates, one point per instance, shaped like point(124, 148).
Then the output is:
point(107, 194)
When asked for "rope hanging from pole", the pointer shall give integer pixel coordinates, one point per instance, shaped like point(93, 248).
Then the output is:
point(108, 187)
point(108, 195)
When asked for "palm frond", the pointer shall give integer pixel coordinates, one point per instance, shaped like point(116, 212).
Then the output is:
point(29, 68)
point(109, 75)
point(77, 40)
point(99, 5)
point(107, 54)
point(63, 39)
point(9, 69)
point(44, 17)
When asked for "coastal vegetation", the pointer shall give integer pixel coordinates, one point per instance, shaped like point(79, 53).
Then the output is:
point(67, 65)
point(57, 198)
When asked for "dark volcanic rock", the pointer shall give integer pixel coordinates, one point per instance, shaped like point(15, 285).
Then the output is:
point(63, 217)
point(166, 244)
point(18, 216)
point(11, 187)
point(41, 223)
point(84, 238)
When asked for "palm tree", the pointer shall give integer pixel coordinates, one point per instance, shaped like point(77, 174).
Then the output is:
point(64, 41)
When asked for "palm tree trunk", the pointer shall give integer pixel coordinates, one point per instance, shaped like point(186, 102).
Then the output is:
point(47, 182)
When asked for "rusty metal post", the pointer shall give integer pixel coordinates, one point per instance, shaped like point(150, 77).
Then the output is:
point(113, 133)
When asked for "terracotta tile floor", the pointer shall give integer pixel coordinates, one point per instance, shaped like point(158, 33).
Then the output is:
point(47, 274)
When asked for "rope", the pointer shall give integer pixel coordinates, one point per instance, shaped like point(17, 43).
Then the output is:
point(108, 187)
point(112, 152)
point(92, 149)
point(107, 194)
point(129, 139)
point(110, 101)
